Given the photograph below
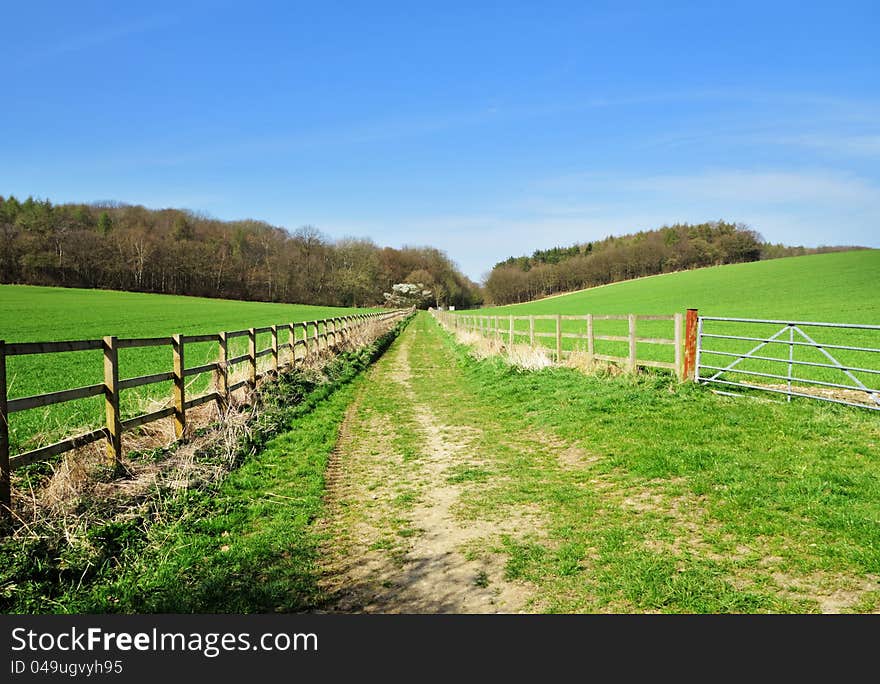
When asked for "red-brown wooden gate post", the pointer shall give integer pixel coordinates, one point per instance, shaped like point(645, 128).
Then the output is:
point(690, 344)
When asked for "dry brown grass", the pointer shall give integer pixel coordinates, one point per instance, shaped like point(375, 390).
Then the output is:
point(520, 355)
point(583, 362)
point(531, 358)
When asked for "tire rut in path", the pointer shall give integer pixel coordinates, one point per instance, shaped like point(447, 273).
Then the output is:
point(433, 574)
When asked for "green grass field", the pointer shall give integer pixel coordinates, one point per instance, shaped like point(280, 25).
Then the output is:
point(838, 288)
point(586, 493)
point(42, 314)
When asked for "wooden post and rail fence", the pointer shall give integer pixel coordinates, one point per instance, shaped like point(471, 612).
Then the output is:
point(684, 340)
point(325, 335)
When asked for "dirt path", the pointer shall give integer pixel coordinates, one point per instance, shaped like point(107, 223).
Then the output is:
point(398, 539)
point(458, 487)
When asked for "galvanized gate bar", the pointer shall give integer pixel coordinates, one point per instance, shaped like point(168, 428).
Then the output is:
point(749, 354)
point(870, 350)
point(791, 378)
point(858, 326)
point(872, 396)
point(796, 362)
point(794, 394)
point(837, 363)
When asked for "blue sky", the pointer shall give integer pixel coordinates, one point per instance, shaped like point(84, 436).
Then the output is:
point(486, 129)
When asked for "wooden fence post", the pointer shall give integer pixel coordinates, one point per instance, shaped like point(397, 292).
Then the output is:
point(5, 472)
point(275, 349)
point(179, 386)
point(252, 358)
point(632, 342)
point(591, 339)
point(291, 339)
point(111, 402)
point(678, 328)
point(558, 338)
point(532, 332)
point(690, 344)
point(222, 377)
point(510, 342)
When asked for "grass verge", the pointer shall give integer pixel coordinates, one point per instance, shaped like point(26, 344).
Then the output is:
point(243, 544)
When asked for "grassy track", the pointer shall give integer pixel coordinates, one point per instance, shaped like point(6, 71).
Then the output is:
point(38, 314)
point(251, 546)
point(838, 287)
point(470, 486)
point(573, 493)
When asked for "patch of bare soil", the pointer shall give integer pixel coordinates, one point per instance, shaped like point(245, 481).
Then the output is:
point(834, 592)
point(432, 573)
point(689, 524)
point(854, 396)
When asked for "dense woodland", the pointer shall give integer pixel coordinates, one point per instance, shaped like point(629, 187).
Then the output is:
point(670, 248)
point(169, 251)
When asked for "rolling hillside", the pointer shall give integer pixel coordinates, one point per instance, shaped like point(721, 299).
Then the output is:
point(838, 287)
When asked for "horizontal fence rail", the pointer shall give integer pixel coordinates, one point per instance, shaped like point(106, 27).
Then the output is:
point(750, 354)
point(507, 331)
point(312, 337)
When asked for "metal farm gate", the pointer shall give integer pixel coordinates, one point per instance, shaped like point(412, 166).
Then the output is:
point(784, 357)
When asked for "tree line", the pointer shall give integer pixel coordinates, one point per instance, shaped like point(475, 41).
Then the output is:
point(670, 248)
point(170, 251)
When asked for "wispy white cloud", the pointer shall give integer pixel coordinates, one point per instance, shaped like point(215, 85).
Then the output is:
point(87, 40)
point(850, 145)
point(796, 207)
point(771, 187)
